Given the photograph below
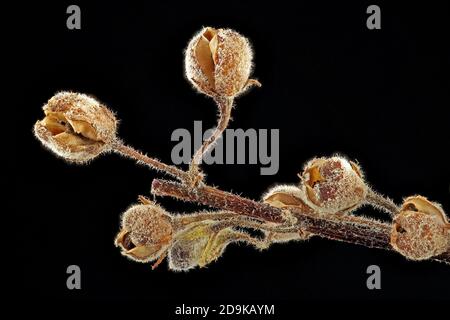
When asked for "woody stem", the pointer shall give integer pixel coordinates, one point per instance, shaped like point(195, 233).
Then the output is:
point(351, 229)
point(217, 199)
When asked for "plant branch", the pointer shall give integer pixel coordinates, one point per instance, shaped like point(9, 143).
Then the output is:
point(224, 106)
point(382, 203)
point(217, 199)
point(129, 152)
point(351, 229)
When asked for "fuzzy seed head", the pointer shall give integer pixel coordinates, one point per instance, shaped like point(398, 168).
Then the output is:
point(420, 230)
point(218, 62)
point(332, 185)
point(146, 231)
point(76, 127)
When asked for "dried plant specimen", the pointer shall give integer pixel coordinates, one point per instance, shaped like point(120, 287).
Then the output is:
point(420, 230)
point(218, 63)
point(76, 127)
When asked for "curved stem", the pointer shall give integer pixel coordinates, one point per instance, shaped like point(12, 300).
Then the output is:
point(224, 105)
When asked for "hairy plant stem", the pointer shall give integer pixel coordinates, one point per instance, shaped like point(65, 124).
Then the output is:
point(217, 199)
point(347, 228)
point(383, 203)
point(224, 105)
point(155, 164)
point(351, 229)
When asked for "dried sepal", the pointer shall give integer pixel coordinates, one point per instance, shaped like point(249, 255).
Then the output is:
point(190, 248)
point(76, 127)
point(187, 249)
point(420, 230)
point(218, 62)
point(147, 232)
point(332, 185)
point(203, 243)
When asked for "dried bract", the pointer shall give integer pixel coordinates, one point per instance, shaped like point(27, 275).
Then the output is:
point(201, 244)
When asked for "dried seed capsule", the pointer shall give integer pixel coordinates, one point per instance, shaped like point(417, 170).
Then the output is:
point(76, 127)
point(286, 197)
point(332, 185)
point(218, 62)
point(420, 230)
point(283, 196)
point(146, 232)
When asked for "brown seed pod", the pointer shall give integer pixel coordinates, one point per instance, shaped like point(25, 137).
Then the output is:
point(218, 62)
point(332, 185)
point(76, 127)
point(146, 232)
point(286, 197)
point(283, 196)
point(420, 230)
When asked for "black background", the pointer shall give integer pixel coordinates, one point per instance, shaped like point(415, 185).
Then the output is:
point(329, 84)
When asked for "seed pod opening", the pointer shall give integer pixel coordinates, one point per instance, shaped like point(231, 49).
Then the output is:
point(332, 185)
point(146, 232)
point(76, 127)
point(420, 230)
point(285, 196)
point(218, 62)
point(288, 197)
